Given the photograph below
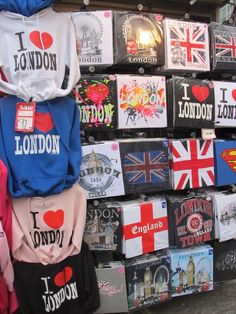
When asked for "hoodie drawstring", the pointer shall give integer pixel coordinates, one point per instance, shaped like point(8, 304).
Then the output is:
point(27, 59)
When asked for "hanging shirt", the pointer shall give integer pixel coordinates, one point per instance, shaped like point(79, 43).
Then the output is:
point(47, 160)
point(67, 287)
point(48, 229)
point(5, 205)
point(37, 50)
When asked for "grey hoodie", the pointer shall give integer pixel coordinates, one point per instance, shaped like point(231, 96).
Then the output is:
point(35, 52)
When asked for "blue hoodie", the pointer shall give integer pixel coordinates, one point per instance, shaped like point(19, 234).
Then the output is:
point(25, 7)
point(47, 160)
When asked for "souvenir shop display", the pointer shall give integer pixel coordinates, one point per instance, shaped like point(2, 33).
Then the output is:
point(223, 48)
point(191, 103)
point(225, 103)
point(145, 165)
point(112, 288)
point(141, 101)
point(97, 102)
point(103, 226)
point(225, 212)
point(224, 260)
point(191, 270)
point(225, 154)
point(192, 163)
point(192, 219)
point(117, 186)
point(145, 226)
point(101, 172)
point(186, 46)
point(94, 37)
point(138, 38)
point(148, 280)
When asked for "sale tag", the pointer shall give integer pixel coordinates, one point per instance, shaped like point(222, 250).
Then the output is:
point(25, 117)
point(208, 134)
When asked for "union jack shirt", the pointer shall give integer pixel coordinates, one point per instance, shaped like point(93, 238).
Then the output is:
point(223, 48)
point(145, 165)
point(187, 45)
point(192, 163)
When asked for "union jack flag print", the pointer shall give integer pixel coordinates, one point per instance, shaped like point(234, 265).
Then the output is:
point(146, 169)
point(192, 163)
point(187, 45)
point(223, 46)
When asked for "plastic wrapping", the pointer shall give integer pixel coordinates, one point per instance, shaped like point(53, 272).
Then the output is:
point(138, 38)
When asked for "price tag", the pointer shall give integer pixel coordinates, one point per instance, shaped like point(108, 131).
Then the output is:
point(208, 134)
point(25, 117)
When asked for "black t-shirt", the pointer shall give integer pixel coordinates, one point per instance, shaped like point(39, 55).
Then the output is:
point(67, 287)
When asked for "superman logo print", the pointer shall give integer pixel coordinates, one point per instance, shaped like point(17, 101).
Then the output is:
point(225, 162)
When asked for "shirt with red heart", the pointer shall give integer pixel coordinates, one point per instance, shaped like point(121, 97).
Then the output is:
point(44, 227)
point(38, 49)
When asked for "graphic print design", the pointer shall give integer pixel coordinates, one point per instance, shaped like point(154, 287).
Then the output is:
point(112, 288)
point(225, 103)
point(36, 143)
point(224, 260)
point(192, 270)
point(54, 299)
point(187, 45)
point(146, 169)
point(97, 103)
point(225, 207)
point(192, 163)
point(229, 156)
point(145, 227)
point(141, 102)
point(148, 280)
point(139, 38)
point(223, 46)
point(225, 162)
point(94, 37)
point(34, 53)
point(101, 174)
point(41, 40)
point(193, 220)
point(54, 219)
point(191, 103)
point(103, 227)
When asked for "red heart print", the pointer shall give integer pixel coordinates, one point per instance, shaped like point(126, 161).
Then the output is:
point(97, 93)
point(54, 219)
point(234, 94)
point(43, 122)
point(43, 41)
point(201, 93)
point(63, 277)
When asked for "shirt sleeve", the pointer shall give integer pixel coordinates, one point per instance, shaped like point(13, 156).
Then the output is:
point(5, 261)
point(72, 61)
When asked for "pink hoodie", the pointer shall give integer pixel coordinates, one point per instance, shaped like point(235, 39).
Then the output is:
point(7, 276)
point(48, 229)
point(5, 261)
point(5, 205)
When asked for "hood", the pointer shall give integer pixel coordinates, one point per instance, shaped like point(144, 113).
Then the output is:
point(25, 7)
